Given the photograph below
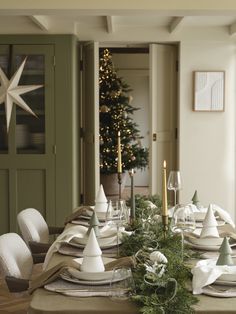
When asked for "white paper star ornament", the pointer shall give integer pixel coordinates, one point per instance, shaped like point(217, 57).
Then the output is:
point(10, 92)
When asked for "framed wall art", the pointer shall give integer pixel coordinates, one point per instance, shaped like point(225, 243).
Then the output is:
point(209, 91)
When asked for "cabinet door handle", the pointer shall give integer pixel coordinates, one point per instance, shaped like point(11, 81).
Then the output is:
point(54, 149)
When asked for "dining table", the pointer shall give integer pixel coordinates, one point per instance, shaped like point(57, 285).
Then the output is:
point(50, 302)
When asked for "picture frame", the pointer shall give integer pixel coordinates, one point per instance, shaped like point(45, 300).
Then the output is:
point(209, 91)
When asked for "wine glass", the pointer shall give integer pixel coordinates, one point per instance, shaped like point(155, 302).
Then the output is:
point(183, 220)
point(122, 284)
point(174, 183)
point(117, 215)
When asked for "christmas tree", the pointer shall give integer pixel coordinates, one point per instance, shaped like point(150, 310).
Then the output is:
point(116, 115)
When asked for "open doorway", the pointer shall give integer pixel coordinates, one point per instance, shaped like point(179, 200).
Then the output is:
point(157, 76)
point(132, 64)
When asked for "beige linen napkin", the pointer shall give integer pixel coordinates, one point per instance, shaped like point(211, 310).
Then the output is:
point(64, 237)
point(77, 212)
point(54, 272)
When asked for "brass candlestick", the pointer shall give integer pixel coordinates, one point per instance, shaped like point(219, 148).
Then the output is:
point(165, 225)
point(119, 183)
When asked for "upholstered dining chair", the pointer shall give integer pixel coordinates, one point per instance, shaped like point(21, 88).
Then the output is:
point(16, 262)
point(35, 230)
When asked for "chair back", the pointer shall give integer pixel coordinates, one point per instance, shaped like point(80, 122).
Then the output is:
point(32, 225)
point(15, 257)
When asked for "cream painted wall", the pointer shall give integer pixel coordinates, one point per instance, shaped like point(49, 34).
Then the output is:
point(207, 140)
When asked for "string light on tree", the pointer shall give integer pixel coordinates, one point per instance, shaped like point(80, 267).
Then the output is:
point(116, 114)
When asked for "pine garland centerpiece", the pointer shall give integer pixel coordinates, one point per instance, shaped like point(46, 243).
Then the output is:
point(161, 277)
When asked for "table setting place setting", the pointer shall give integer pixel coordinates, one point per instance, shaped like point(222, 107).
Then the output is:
point(98, 269)
point(169, 255)
point(211, 232)
point(108, 219)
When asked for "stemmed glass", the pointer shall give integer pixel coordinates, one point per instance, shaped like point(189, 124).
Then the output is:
point(117, 215)
point(122, 284)
point(174, 183)
point(183, 221)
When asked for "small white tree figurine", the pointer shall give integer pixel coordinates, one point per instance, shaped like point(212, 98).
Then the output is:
point(195, 199)
point(225, 257)
point(209, 229)
point(92, 260)
point(101, 201)
point(94, 223)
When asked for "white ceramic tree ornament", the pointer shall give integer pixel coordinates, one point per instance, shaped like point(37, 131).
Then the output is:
point(225, 257)
point(92, 260)
point(101, 201)
point(10, 92)
point(94, 224)
point(209, 229)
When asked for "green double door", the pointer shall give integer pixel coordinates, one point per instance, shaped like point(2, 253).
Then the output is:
point(27, 149)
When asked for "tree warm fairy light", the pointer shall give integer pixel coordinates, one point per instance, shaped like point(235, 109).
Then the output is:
point(116, 115)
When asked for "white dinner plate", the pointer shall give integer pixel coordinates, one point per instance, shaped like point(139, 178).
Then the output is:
point(104, 246)
point(228, 277)
point(203, 247)
point(225, 283)
point(205, 241)
point(70, 278)
point(85, 223)
point(219, 291)
point(219, 223)
point(94, 276)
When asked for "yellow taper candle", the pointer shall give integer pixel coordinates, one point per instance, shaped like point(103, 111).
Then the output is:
point(164, 192)
point(119, 162)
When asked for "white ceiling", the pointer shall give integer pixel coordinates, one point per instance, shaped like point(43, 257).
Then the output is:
point(80, 17)
point(52, 24)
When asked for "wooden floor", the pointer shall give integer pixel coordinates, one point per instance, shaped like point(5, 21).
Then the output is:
point(17, 303)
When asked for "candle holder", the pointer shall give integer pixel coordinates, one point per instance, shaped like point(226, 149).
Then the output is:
point(132, 196)
point(119, 182)
point(165, 225)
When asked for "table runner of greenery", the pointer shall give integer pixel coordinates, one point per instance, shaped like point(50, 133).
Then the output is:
point(161, 285)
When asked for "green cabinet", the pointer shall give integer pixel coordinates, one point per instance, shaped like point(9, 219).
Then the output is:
point(38, 156)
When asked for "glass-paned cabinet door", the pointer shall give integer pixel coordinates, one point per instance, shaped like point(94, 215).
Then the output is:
point(34, 89)
point(4, 65)
point(30, 129)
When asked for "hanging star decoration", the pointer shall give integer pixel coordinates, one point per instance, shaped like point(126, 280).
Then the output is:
point(10, 92)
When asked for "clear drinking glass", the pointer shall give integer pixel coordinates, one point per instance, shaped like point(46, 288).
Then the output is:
point(183, 221)
point(122, 284)
point(117, 215)
point(174, 183)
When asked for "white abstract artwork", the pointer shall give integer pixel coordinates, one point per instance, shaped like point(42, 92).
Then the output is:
point(209, 90)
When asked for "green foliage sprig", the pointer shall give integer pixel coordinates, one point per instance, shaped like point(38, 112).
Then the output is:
point(156, 294)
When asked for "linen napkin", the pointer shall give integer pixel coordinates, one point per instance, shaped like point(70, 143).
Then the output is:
point(78, 212)
point(54, 272)
point(76, 232)
point(64, 237)
point(224, 215)
point(206, 272)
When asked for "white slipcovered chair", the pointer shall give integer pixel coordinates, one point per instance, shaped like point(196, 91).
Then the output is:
point(35, 230)
point(16, 262)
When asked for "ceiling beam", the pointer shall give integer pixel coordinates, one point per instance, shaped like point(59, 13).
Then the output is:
point(110, 24)
point(41, 21)
point(176, 24)
point(232, 29)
